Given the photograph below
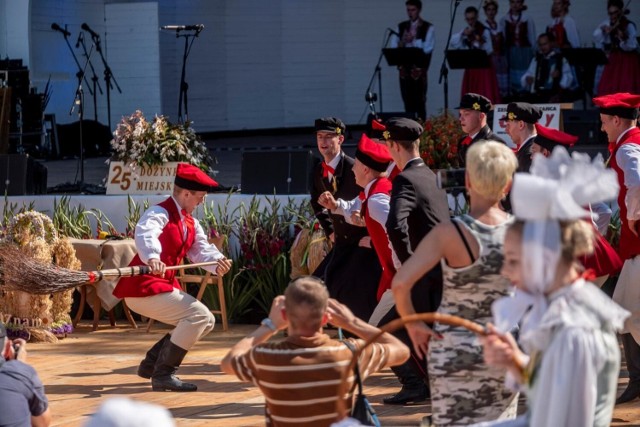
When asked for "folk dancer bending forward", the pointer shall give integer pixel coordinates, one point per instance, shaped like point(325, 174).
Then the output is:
point(164, 235)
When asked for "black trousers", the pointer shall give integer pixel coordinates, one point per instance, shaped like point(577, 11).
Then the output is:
point(414, 93)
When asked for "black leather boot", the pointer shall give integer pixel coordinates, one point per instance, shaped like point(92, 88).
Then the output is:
point(169, 359)
point(632, 357)
point(413, 389)
point(145, 370)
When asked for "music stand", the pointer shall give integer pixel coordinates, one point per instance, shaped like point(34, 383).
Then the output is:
point(585, 60)
point(407, 56)
point(468, 58)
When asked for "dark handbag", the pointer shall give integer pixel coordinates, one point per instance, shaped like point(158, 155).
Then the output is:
point(362, 409)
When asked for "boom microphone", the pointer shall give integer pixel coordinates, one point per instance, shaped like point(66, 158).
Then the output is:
point(197, 27)
point(57, 27)
point(392, 31)
point(85, 27)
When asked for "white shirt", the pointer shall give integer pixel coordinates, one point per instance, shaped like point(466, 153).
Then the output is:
point(628, 158)
point(566, 80)
point(427, 45)
point(600, 38)
point(151, 225)
point(458, 41)
point(334, 164)
point(570, 28)
point(348, 207)
point(378, 206)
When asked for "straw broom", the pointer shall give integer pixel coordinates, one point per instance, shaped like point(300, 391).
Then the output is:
point(21, 273)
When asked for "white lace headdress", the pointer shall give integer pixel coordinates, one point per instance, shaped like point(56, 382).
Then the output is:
point(557, 188)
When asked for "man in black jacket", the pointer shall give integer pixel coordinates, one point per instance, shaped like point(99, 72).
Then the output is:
point(473, 120)
point(520, 123)
point(417, 205)
point(351, 270)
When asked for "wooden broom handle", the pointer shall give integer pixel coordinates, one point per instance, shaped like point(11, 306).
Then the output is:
point(96, 276)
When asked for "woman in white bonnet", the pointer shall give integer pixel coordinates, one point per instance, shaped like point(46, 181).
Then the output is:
point(571, 359)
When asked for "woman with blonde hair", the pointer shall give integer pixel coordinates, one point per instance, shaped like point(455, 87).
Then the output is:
point(464, 389)
point(571, 359)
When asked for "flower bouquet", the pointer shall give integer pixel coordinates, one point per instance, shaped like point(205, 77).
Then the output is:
point(137, 141)
point(439, 141)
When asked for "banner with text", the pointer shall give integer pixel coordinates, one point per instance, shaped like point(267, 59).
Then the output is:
point(156, 179)
point(550, 118)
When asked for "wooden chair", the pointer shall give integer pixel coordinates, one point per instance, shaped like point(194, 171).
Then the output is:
point(97, 308)
point(204, 280)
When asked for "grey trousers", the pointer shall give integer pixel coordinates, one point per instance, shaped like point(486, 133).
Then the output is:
point(191, 318)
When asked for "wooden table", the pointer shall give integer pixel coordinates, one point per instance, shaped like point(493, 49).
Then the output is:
point(97, 254)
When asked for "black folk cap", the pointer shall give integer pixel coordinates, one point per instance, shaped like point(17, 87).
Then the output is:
point(402, 129)
point(330, 124)
point(524, 111)
point(475, 102)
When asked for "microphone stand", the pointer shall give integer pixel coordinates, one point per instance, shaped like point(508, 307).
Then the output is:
point(371, 98)
point(444, 71)
point(94, 78)
point(108, 79)
point(184, 86)
point(79, 101)
point(75, 58)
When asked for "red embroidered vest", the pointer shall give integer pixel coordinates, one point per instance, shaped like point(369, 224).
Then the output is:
point(629, 243)
point(379, 237)
point(174, 249)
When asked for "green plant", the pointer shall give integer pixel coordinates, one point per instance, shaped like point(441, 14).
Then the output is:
point(217, 221)
point(134, 212)
point(439, 141)
point(72, 221)
point(264, 238)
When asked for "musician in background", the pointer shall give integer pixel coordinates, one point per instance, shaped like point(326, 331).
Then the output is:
point(498, 58)
point(617, 36)
point(475, 35)
point(419, 33)
point(549, 77)
point(519, 35)
point(562, 26)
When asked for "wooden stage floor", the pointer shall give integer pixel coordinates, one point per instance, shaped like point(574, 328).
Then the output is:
point(87, 367)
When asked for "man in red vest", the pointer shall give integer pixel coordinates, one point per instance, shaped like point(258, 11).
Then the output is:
point(371, 162)
point(164, 235)
point(619, 116)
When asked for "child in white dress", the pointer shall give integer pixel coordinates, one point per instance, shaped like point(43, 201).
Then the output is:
point(571, 359)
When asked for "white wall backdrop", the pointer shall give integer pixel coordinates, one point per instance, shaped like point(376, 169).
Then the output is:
point(258, 63)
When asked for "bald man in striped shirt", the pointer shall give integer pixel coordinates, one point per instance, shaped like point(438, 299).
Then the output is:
point(299, 376)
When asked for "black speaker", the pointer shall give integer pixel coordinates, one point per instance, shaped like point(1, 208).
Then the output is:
point(585, 124)
point(20, 175)
point(279, 172)
point(96, 139)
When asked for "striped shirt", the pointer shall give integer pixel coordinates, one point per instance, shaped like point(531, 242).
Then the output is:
point(300, 377)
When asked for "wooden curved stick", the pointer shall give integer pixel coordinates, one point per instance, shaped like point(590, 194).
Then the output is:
point(446, 319)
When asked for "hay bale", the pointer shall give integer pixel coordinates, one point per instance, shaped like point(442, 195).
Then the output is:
point(319, 247)
point(297, 253)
